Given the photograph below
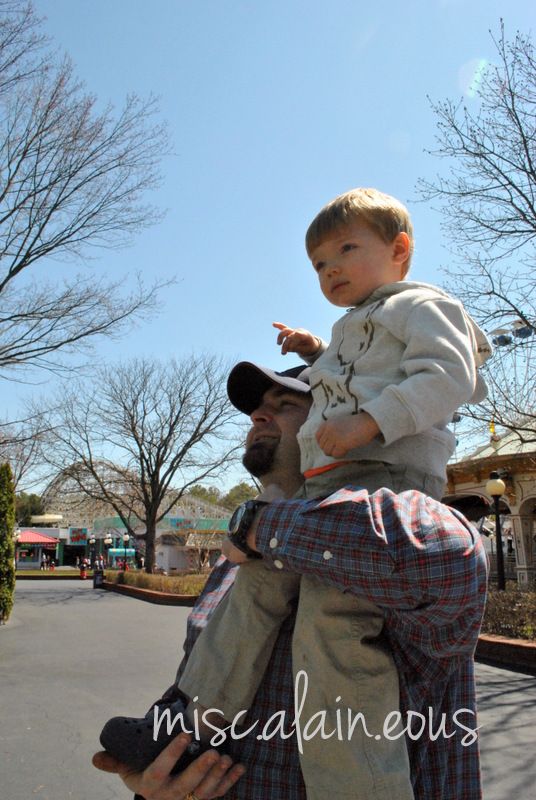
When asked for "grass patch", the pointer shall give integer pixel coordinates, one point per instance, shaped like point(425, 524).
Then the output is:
point(176, 584)
point(511, 613)
point(49, 573)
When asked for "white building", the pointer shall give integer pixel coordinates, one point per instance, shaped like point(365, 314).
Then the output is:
point(516, 464)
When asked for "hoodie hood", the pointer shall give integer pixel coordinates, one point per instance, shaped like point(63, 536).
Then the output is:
point(482, 348)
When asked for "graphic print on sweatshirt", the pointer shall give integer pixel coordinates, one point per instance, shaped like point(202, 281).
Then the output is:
point(349, 352)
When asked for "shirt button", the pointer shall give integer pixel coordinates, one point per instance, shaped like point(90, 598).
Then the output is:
point(327, 555)
point(273, 543)
point(278, 564)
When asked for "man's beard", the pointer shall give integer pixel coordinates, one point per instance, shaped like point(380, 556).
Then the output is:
point(259, 458)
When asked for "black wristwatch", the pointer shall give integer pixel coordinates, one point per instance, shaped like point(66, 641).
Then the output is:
point(241, 522)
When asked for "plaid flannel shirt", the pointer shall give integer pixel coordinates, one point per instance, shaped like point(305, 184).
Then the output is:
point(424, 565)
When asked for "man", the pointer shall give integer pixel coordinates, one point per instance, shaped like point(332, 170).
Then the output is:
point(419, 561)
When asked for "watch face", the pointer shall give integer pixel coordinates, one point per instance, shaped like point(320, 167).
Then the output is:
point(236, 519)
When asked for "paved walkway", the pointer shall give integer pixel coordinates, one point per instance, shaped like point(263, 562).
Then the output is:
point(71, 657)
point(507, 716)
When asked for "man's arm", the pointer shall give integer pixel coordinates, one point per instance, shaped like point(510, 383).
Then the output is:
point(419, 560)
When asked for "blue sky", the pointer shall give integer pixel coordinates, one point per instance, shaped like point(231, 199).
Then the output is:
point(273, 109)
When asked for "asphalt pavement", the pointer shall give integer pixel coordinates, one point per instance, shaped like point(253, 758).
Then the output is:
point(72, 656)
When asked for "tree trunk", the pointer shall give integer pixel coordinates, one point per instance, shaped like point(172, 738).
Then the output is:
point(150, 547)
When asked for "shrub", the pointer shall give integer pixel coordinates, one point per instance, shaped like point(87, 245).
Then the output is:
point(176, 584)
point(7, 545)
point(511, 613)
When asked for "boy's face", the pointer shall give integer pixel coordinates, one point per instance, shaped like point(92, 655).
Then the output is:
point(354, 261)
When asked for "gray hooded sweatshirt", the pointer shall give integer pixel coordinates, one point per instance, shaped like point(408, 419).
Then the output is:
point(409, 356)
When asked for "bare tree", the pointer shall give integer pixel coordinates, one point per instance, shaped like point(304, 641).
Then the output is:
point(141, 434)
point(21, 44)
point(487, 198)
point(21, 444)
point(72, 179)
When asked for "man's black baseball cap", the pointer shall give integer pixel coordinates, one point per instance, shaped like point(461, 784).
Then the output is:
point(248, 382)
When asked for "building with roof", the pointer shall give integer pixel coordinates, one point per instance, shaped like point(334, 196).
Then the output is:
point(190, 544)
point(31, 546)
point(515, 461)
point(183, 543)
point(188, 537)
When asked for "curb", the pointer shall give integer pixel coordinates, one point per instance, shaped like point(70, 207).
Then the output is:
point(59, 577)
point(512, 653)
point(516, 654)
point(150, 596)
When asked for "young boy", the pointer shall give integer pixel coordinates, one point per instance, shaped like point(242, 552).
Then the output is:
point(401, 360)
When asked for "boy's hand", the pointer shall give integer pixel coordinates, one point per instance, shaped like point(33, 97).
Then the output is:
point(337, 436)
point(296, 340)
point(209, 776)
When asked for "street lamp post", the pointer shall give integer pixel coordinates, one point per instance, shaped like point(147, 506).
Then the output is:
point(126, 539)
point(107, 544)
point(16, 537)
point(92, 542)
point(496, 487)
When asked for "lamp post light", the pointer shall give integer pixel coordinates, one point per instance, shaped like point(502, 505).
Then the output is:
point(126, 539)
point(496, 487)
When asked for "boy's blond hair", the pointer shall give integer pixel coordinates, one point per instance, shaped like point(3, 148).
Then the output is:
point(386, 215)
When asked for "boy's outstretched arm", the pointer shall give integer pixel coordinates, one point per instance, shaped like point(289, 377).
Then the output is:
point(298, 340)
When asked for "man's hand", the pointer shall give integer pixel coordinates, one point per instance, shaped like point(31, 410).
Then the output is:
point(209, 776)
point(339, 435)
point(297, 340)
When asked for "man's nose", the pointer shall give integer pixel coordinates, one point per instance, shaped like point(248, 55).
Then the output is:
point(261, 414)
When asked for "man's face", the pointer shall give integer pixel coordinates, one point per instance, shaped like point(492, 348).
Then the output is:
point(271, 445)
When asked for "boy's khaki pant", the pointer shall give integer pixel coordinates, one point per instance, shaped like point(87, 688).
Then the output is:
point(341, 664)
